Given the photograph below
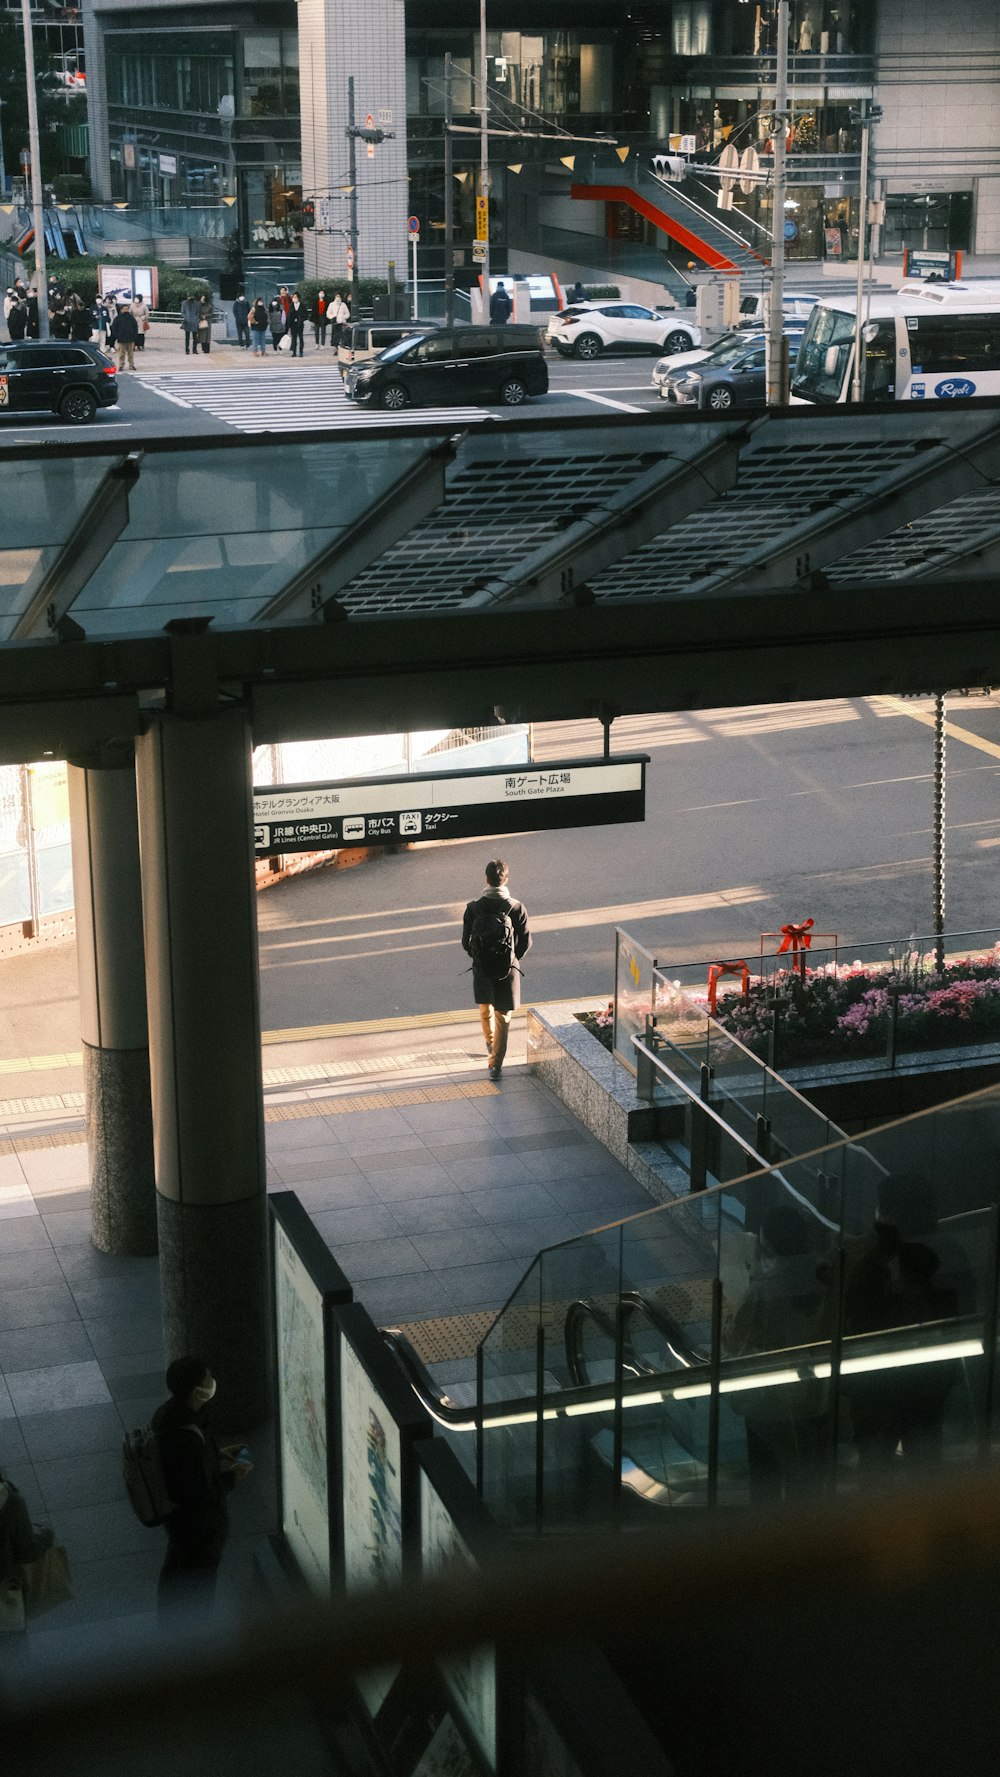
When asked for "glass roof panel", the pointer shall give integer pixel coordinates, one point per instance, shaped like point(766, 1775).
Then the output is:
point(220, 532)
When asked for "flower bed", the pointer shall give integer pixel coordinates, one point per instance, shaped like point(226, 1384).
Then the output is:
point(600, 1024)
point(845, 1012)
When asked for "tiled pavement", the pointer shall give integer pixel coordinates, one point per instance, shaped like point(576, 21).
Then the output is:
point(433, 1199)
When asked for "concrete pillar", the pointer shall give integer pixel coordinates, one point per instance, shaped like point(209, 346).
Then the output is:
point(196, 837)
point(368, 42)
point(107, 894)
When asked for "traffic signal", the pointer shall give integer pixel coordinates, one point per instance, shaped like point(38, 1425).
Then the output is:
point(309, 213)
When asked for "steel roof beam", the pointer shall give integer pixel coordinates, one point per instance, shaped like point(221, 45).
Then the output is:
point(413, 497)
point(842, 525)
point(616, 525)
point(94, 535)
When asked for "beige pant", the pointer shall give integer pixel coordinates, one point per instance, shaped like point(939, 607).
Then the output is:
point(126, 349)
point(496, 1027)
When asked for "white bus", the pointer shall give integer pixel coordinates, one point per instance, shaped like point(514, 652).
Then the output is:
point(924, 342)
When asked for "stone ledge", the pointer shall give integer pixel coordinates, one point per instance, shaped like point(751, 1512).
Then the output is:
point(601, 1093)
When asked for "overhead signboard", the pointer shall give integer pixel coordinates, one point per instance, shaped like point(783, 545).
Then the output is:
point(450, 805)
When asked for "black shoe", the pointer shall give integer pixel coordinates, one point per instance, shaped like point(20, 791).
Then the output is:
point(495, 1073)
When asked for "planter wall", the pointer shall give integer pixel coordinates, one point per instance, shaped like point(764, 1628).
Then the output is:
point(861, 1094)
point(601, 1093)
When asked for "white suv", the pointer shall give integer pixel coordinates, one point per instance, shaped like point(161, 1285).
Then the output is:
point(589, 328)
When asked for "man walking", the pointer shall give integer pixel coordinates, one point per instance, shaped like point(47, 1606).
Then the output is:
point(495, 934)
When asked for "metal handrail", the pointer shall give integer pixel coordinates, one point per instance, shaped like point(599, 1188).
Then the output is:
point(804, 1363)
point(761, 1163)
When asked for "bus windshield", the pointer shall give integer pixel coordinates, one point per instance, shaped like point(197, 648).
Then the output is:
point(819, 376)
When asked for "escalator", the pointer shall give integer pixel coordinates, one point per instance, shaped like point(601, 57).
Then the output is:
point(679, 1432)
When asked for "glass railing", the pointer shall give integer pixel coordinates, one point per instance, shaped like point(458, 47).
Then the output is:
point(654, 1017)
point(807, 1330)
point(884, 1004)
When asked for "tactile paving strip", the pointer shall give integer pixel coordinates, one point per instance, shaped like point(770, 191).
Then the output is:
point(455, 1336)
point(378, 1101)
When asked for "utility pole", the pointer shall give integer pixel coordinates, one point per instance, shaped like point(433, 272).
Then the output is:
point(449, 204)
point(34, 149)
point(484, 150)
point(352, 225)
point(869, 115)
point(777, 354)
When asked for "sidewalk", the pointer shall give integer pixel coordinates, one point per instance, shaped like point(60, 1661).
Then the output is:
point(433, 1187)
point(163, 352)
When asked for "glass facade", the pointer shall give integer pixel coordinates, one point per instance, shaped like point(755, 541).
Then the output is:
point(200, 117)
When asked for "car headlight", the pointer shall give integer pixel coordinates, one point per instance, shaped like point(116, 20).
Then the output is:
point(695, 376)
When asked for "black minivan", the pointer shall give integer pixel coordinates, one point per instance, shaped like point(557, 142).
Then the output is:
point(453, 364)
point(69, 377)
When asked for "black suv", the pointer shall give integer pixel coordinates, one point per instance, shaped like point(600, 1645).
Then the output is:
point(72, 379)
point(505, 364)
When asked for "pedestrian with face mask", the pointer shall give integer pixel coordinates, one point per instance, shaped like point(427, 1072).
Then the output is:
point(198, 1477)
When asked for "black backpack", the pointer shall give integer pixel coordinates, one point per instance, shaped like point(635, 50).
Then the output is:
point(491, 940)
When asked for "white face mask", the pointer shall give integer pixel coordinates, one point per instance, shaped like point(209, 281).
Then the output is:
point(204, 1395)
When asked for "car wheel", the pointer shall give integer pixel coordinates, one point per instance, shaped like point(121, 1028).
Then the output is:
point(395, 396)
point(587, 346)
point(677, 342)
point(513, 392)
point(720, 399)
point(78, 406)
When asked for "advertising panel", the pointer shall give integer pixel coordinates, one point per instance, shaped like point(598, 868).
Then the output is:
point(371, 1479)
point(302, 1413)
point(122, 282)
point(470, 1676)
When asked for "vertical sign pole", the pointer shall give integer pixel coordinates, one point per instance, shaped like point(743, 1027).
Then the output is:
point(484, 147)
point(862, 223)
point(416, 297)
point(449, 203)
point(777, 356)
point(37, 209)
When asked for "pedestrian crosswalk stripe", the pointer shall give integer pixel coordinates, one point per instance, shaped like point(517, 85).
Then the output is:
point(271, 400)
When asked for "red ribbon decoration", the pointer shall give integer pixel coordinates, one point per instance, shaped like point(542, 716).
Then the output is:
point(716, 970)
point(797, 939)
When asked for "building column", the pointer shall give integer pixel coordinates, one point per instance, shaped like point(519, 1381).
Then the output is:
point(108, 900)
point(199, 909)
point(370, 43)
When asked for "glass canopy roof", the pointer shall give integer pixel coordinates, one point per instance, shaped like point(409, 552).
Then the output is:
point(245, 531)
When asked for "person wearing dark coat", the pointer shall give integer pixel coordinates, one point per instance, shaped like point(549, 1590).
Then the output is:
point(32, 313)
point(20, 1541)
point(500, 305)
point(496, 997)
point(190, 319)
point(296, 321)
point(198, 1477)
point(124, 333)
point(81, 320)
point(241, 316)
point(276, 321)
point(17, 321)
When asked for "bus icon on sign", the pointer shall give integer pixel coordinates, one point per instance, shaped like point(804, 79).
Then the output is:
point(354, 826)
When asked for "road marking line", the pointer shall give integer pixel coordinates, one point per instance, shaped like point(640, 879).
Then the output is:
point(951, 729)
point(603, 400)
point(164, 396)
